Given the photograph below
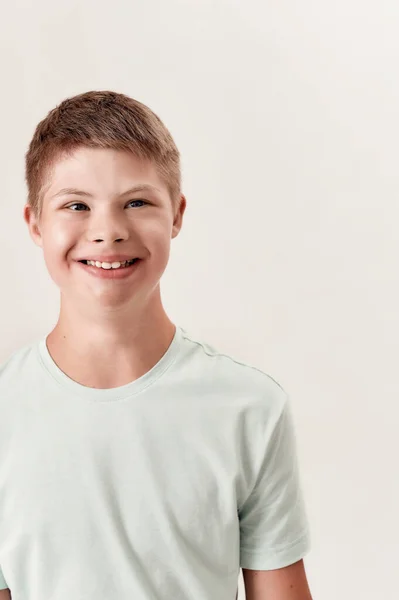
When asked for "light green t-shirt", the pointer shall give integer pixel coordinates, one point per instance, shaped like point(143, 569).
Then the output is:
point(156, 490)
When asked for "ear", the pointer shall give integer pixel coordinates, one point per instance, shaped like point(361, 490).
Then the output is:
point(178, 221)
point(33, 225)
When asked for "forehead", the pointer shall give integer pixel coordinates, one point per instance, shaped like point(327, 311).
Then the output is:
point(101, 169)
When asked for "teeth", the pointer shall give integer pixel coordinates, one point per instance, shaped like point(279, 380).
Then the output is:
point(106, 265)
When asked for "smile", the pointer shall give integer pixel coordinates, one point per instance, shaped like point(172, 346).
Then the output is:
point(107, 265)
point(115, 271)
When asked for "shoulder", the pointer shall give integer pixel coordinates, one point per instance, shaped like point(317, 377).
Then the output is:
point(223, 373)
point(16, 365)
point(16, 356)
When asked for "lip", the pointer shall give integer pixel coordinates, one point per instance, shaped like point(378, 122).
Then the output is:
point(113, 274)
point(110, 258)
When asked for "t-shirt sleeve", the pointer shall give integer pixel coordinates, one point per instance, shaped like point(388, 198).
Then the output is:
point(274, 528)
point(3, 583)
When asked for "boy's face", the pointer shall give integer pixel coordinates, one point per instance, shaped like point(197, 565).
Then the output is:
point(89, 213)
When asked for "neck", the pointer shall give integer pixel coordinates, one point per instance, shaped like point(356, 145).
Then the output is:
point(109, 351)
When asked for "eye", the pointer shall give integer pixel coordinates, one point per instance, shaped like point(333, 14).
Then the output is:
point(143, 201)
point(76, 204)
point(84, 205)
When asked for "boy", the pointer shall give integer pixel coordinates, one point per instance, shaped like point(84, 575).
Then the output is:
point(136, 461)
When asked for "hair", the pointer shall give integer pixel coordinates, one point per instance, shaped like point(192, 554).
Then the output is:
point(100, 119)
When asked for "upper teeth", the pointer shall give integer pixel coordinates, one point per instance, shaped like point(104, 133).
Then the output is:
point(107, 265)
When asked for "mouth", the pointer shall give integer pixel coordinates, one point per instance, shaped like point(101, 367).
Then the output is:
point(117, 271)
point(108, 266)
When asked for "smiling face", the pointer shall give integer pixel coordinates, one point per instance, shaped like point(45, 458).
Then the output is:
point(89, 211)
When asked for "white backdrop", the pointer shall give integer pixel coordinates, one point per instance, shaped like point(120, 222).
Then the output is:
point(286, 115)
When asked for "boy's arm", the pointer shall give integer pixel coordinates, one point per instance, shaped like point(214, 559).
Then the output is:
point(288, 583)
point(5, 594)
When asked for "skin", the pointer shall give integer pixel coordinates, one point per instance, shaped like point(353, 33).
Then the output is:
point(288, 583)
point(109, 332)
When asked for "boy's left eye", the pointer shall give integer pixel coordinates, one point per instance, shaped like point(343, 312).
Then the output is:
point(143, 201)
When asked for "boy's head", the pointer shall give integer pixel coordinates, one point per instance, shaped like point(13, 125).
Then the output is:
point(100, 120)
point(88, 154)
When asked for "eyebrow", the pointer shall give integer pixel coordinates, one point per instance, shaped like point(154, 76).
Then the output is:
point(76, 192)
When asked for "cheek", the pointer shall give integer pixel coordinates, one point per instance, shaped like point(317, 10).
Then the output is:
point(158, 242)
point(58, 238)
point(155, 234)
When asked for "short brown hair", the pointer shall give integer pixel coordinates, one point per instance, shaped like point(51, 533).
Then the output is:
point(101, 119)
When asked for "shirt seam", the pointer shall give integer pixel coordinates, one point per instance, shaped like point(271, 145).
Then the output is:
point(238, 362)
point(65, 388)
point(303, 536)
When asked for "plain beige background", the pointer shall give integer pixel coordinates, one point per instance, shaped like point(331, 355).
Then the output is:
point(286, 115)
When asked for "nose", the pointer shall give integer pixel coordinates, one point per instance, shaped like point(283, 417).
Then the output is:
point(109, 226)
